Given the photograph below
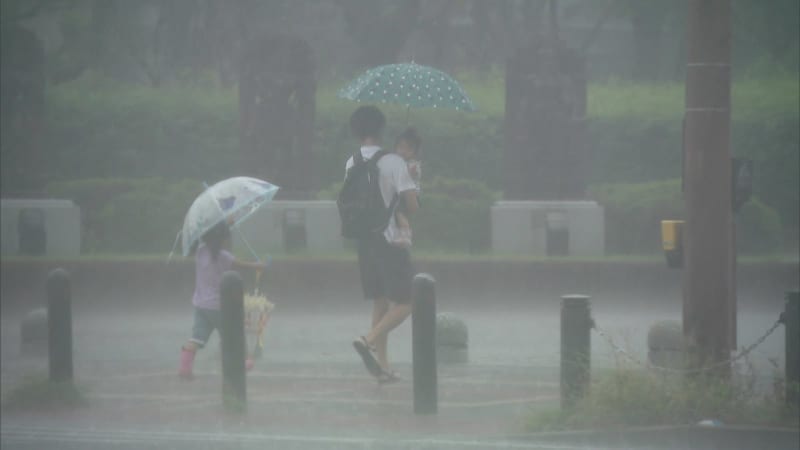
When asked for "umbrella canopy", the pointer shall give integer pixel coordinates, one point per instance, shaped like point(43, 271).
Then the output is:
point(232, 200)
point(409, 84)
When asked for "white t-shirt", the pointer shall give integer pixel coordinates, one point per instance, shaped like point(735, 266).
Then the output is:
point(394, 179)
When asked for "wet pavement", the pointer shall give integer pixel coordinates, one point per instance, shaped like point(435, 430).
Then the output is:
point(309, 389)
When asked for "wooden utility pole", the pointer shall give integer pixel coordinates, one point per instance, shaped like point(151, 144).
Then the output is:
point(707, 184)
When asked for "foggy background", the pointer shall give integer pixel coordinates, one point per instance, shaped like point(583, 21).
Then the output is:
point(137, 103)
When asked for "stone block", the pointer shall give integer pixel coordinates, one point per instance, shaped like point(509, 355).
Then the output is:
point(34, 332)
point(665, 345)
point(452, 339)
point(59, 220)
point(548, 228)
point(293, 225)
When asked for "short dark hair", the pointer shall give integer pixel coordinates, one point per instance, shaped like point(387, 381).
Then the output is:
point(411, 136)
point(215, 237)
point(367, 121)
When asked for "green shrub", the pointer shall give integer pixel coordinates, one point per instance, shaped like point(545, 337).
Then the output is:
point(634, 212)
point(134, 131)
point(102, 129)
point(129, 215)
point(142, 215)
point(642, 148)
point(635, 131)
point(454, 215)
point(758, 229)
point(637, 398)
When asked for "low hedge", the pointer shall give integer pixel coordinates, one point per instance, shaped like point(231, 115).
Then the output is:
point(100, 129)
point(143, 215)
point(129, 215)
point(97, 129)
point(634, 213)
point(454, 215)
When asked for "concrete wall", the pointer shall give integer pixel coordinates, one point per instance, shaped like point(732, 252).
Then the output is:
point(62, 220)
point(521, 227)
point(268, 227)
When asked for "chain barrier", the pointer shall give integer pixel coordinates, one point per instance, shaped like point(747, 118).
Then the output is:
point(743, 353)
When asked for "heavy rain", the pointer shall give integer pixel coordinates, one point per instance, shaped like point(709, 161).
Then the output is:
point(400, 224)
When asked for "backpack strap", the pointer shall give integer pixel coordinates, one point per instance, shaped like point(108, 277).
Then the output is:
point(358, 158)
point(377, 156)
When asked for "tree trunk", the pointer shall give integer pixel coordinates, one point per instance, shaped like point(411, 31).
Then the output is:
point(648, 25)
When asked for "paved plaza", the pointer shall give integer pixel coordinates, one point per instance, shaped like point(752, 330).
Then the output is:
point(309, 389)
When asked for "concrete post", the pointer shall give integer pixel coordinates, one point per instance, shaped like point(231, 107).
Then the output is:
point(59, 325)
point(576, 325)
point(708, 273)
point(234, 383)
point(423, 325)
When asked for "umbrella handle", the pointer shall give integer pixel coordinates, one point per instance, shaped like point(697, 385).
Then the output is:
point(174, 246)
point(235, 228)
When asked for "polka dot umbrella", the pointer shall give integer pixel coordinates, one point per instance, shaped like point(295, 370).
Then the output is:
point(408, 84)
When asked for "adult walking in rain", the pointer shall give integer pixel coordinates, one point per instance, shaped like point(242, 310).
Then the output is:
point(375, 181)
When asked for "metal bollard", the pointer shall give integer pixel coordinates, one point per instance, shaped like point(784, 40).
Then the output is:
point(576, 324)
point(59, 325)
point(234, 383)
point(791, 320)
point(423, 328)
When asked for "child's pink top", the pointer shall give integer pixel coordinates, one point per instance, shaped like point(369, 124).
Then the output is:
point(208, 274)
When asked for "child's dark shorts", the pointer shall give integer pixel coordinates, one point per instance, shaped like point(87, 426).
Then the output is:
point(205, 322)
point(386, 270)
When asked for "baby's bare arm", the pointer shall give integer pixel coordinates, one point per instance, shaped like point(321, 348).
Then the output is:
point(402, 220)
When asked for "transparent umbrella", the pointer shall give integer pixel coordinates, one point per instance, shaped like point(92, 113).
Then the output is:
point(232, 200)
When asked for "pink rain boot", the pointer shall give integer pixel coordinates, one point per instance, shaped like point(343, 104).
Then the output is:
point(187, 360)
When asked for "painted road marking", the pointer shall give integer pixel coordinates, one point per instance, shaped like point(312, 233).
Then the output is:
point(300, 377)
point(269, 398)
point(24, 434)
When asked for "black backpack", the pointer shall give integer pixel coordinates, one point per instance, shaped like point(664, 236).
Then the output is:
point(361, 207)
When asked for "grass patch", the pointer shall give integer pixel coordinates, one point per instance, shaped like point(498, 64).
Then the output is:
point(750, 99)
point(626, 398)
point(37, 392)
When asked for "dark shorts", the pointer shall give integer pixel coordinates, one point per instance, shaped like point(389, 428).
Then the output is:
point(386, 270)
point(205, 322)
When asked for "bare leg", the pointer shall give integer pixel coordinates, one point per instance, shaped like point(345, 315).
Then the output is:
point(380, 308)
point(191, 346)
point(396, 314)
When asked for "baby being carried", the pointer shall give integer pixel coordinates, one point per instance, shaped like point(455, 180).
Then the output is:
point(408, 147)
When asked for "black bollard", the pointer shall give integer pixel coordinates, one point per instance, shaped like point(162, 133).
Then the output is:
point(234, 383)
point(59, 325)
point(576, 324)
point(791, 320)
point(423, 329)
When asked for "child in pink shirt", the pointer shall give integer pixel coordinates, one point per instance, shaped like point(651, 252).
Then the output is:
point(212, 260)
